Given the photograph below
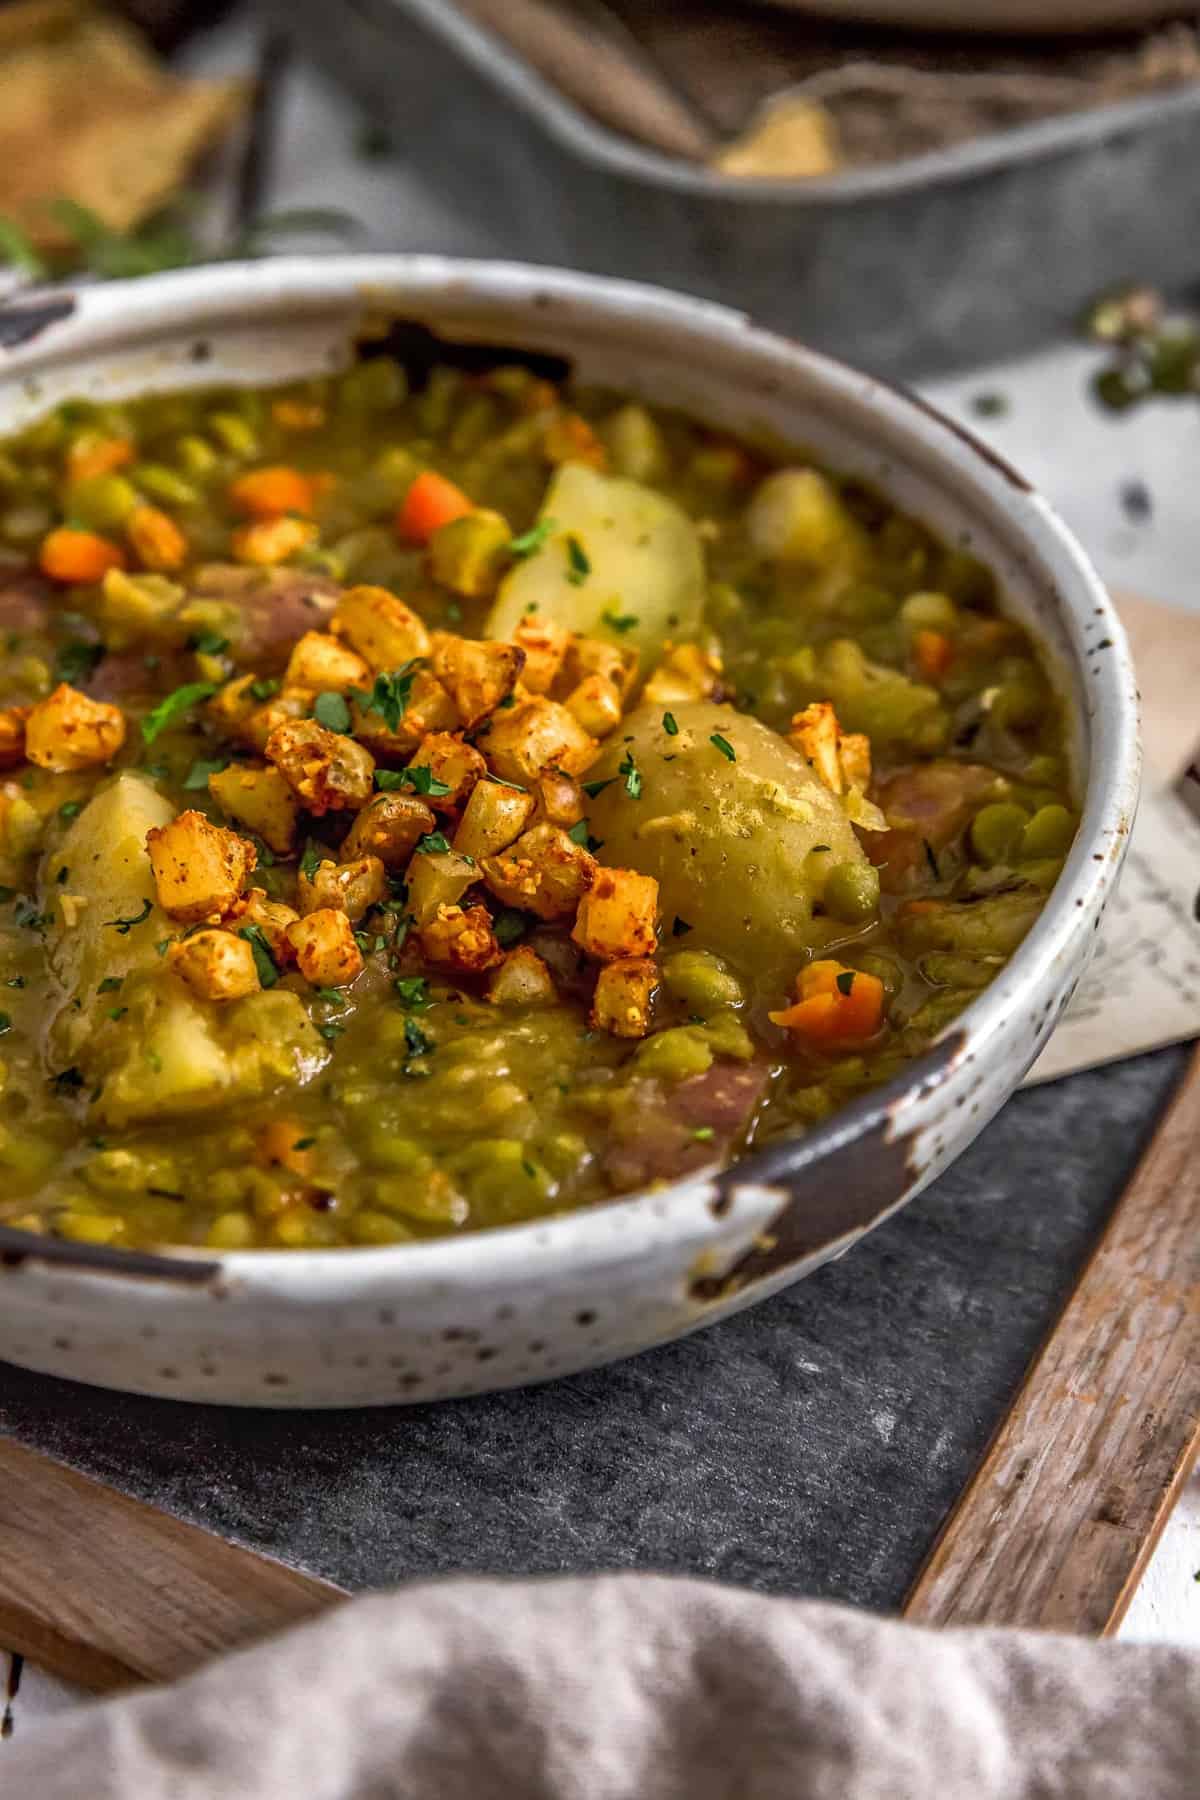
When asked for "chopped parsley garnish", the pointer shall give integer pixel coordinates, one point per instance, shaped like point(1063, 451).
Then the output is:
point(331, 996)
point(304, 1143)
point(5, 1023)
point(413, 991)
point(592, 788)
point(392, 692)
point(331, 1029)
point(77, 660)
point(197, 776)
point(416, 1040)
point(579, 565)
point(531, 541)
point(264, 963)
point(125, 926)
point(633, 776)
point(508, 700)
point(265, 689)
point(724, 746)
point(110, 984)
point(931, 859)
point(118, 1012)
point(207, 643)
point(162, 946)
point(670, 724)
point(703, 1134)
point(434, 843)
point(419, 778)
point(18, 981)
point(453, 612)
point(578, 834)
point(310, 862)
point(501, 781)
point(70, 809)
point(527, 1169)
point(509, 926)
point(330, 710)
point(174, 707)
point(680, 927)
point(621, 622)
point(845, 981)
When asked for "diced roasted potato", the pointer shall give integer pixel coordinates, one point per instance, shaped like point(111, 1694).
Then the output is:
point(437, 878)
point(261, 800)
point(477, 676)
point(199, 868)
point(351, 887)
point(265, 542)
point(326, 953)
point(12, 736)
point(456, 765)
point(215, 964)
point(617, 915)
point(623, 997)
point(521, 980)
point(233, 704)
point(588, 656)
point(686, 673)
point(68, 731)
point(522, 740)
point(545, 646)
point(471, 553)
point(327, 771)
point(380, 627)
point(494, 817)
point(544, 872)
point(558, 799)
point(428, 708)
point(841, 761)
point(461, 940)
point(319, 661)
point(290, 703)
point(271, 916)
point(389, 827)
point(596, 703)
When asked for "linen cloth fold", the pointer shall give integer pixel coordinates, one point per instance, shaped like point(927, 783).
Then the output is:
point(632, 1687)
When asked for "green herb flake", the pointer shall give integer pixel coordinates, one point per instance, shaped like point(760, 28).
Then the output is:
point(621, 622)
point(331, 1029)
point(578, 834)
point(331, 996)
point(500, 781)
point(197, 776)
point(413, 992)
point(154, 1059)
point(530, 542)
point(76, 660)
point(845, 981)
point(162, 946)
point(592, 788)
point(265, 689)
point(331, 710)
point(632, 774)
point(434, 843)
point(310, 862)
point(304, 1143)
point(117, 1012)
point(208, 643)
point(679, 927)
point(174, 706)
point(15, 981)
point(390, 695)
point(508, 700)
point(420, 778)
point(527, 1169)
point(110, 984)
point(125, 926)
point(724, 746)
point(264, 963)
point(418, 1043)
point(704, 1134)
point(670, 724)
point(5, 1023)
point(70, 809)
point(509, 926)
point(579, 565)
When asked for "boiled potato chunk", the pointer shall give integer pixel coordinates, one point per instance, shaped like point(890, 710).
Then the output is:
point(736, 846)
point(644, 564)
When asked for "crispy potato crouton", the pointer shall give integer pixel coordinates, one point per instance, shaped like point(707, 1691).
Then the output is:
point(215, 964)
point(544, 872)
point(351, 887)
point(841, 760)
point(477, 676)
point(326, 953)
point(617, 663)
point(596, 703)
point(429, 709)
point(380, 627)
point(437, 878)
point(686, 673)
point(269, 541)
point(558, 799)
point(261, 800)
point(616, 916)
point(493, 818)
point(545, 646)
point(319, 661)
point(522, 740)
point(623, 997)
point(521, 980)
point(327, 771)
point(271, 916)
point(68, 731)
point(457, 765)
point(461, 940)
point(199, 868)
point(389, 827)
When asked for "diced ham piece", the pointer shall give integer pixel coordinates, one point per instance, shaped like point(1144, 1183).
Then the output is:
point(26, 603)
point(276, 607)
point(654, 1137)
point(926, 803)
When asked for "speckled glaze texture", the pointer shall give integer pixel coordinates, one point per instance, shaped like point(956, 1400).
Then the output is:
point(461, 1316)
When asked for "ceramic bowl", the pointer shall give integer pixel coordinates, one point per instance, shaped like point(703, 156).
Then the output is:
point(523, 1303)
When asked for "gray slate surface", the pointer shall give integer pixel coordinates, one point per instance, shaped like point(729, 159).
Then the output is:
point(811, 1445)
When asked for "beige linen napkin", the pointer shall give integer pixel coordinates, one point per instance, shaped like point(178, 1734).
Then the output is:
point(635, 1688)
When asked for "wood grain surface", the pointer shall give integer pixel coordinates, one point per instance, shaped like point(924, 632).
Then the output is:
point(105, 1591)
point(1062, 1515)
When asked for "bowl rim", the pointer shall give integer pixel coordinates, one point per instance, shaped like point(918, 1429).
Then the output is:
point(91, 320)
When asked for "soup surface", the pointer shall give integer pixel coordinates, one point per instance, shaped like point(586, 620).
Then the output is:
point(435, 802)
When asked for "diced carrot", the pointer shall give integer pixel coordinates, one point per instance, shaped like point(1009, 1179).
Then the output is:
point(430, 503)
point(90, 456)
point(156, 539)
point(933, 653)
point(269, 492)
point(285, 1144)
point(269, 541)
point(78, 556)
point(569, 438)
point(835, 1005)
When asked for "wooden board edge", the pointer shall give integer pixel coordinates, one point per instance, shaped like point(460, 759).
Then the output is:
point(109, 1591)
point(1031, 1473)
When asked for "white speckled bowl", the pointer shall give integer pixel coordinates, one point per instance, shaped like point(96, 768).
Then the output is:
point(423, 1321)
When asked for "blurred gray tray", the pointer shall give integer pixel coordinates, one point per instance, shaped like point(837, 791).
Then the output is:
point(946, 259)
